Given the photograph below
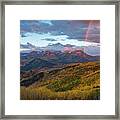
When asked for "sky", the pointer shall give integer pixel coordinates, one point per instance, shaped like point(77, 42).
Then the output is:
point(75, 32)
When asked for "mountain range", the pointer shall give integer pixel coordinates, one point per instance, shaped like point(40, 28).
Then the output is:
point(53, 59)
point(90, 50)
point(55, 56)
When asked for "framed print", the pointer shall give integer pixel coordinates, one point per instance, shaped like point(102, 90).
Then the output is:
point(59, 59)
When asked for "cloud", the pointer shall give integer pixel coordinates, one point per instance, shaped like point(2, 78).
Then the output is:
point(23, 35)
point(49, 39)
point(46, 22)
point(74, 29)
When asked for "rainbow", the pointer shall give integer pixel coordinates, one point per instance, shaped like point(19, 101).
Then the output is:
point(87, 32)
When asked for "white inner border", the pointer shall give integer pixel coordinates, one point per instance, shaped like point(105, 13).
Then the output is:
point(15, 13)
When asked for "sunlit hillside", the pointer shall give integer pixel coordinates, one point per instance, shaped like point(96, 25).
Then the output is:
point(77, 81)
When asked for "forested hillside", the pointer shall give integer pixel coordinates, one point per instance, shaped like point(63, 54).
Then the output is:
point(77, 81)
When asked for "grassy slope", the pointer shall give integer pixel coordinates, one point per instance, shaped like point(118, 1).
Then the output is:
point(75, 81)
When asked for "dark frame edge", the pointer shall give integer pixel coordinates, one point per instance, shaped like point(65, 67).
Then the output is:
point(2, 59)
point(60, 2)
point(61, 117)
point(117, 37)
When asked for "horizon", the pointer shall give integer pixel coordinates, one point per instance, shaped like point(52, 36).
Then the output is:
point(83, 43)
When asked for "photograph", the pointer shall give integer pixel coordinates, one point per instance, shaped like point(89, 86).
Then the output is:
point(59, 59)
